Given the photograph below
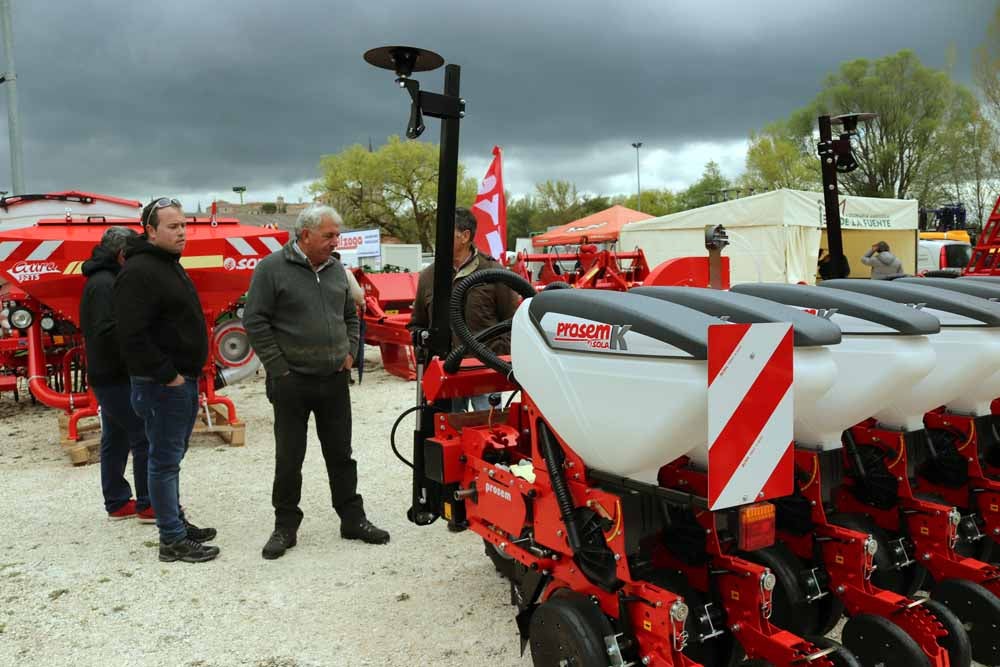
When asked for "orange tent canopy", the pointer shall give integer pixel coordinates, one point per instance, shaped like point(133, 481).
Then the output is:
point(597, 228)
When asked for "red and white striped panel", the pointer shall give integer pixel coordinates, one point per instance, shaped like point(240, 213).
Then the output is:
point(28, 251)
point(254, 246)
point(750, 455)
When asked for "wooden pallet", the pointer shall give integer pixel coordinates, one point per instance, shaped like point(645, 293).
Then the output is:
point(86, 448)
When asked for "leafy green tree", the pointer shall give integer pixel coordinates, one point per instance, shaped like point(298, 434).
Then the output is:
point(985, 183)
point(654, 202)
point(394, 188)
point(706, 189)
point(986, 68)
point(778, 159)
point(521, 213)
point(920, 114)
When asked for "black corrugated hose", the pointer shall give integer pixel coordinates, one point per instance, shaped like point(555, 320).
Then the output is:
point(457, 312)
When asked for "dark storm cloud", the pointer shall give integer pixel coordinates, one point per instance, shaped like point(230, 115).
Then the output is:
point(134, 98)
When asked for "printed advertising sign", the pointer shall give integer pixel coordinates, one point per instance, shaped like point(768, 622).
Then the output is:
point(365, 245)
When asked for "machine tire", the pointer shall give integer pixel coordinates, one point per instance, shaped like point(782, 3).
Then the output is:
point(831, 610)
point(957, 642)
point(979, 612)
point(568, 627)
point(875, 640)
point(886, 575)
point(841, 657)
point(790, 609)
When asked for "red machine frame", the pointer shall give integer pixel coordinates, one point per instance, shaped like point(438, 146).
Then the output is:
point(220, 257)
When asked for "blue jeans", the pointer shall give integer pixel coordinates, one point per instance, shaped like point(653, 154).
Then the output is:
point(122, 431)
point(169, 414)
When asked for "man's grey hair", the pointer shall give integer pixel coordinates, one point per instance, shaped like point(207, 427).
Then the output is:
point(312, 218)
point(115, 238)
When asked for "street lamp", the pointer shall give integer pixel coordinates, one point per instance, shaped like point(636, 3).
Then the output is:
point(240, 189)
point(638, 186)
point(10, 78)
point(836, 157)
point(427, 494)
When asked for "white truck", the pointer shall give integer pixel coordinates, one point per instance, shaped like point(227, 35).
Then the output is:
point(942, 255)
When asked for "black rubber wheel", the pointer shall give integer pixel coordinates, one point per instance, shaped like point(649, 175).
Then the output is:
point(957, 642)
point(756, 663)
point(979, 611)
point(906, 581)
point(569, 629)
point(875, 640)
point(790, 610)
point(831, 610)
point(504, 564)
point(841, 657)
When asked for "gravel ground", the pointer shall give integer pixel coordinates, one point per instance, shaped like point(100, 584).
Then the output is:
point(78, 590)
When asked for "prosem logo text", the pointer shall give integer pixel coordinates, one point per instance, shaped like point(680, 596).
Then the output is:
point(245, 264)
point(29, 271)
point(601, 336)
point(497, 491)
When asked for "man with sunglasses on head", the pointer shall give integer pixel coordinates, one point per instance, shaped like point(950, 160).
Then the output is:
point(164, 342)
point(303, 324)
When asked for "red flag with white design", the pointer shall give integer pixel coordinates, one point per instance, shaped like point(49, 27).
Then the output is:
point(490, 210)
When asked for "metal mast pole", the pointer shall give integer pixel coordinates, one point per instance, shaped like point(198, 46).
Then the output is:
point(10, 78)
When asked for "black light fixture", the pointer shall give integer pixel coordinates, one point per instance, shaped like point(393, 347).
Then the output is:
point(436, 341)
point(837, 157)
point(240, 189)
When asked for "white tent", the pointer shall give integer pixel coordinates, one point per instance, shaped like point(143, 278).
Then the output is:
point(776, 236)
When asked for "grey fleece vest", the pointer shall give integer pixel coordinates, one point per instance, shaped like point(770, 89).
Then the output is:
point(298, 319)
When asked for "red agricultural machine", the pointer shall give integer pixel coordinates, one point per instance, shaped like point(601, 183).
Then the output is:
point(389, 296)
point(43, 266)
point(19, 211)
point(700, 476)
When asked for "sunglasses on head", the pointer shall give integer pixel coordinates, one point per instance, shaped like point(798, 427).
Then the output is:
point(162, 202)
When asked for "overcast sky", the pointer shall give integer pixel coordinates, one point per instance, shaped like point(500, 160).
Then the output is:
point(192, 97)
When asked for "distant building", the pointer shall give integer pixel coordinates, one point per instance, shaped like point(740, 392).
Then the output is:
point(252, 208)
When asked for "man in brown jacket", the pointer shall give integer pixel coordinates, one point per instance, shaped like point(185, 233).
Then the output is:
point(486, 304)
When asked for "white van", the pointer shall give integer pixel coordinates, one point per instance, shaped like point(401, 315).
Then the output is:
point(942, 255)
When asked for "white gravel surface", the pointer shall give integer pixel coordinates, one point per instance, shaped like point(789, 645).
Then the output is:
point(79, 590)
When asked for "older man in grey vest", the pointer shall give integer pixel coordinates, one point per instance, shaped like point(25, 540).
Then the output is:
point(303, 324)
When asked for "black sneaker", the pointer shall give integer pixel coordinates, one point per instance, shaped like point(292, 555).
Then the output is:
point(199, 534)
point(187, 550)
point(279, 542)
point(365, 531)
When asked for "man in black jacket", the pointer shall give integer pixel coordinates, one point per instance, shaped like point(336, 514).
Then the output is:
point(164, 342)
point(122, 430)
point(303, 324)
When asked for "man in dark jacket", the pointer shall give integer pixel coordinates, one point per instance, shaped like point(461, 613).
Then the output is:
point(485, 305)
point(164, 343)
point(121, 429)
point(303, 324)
